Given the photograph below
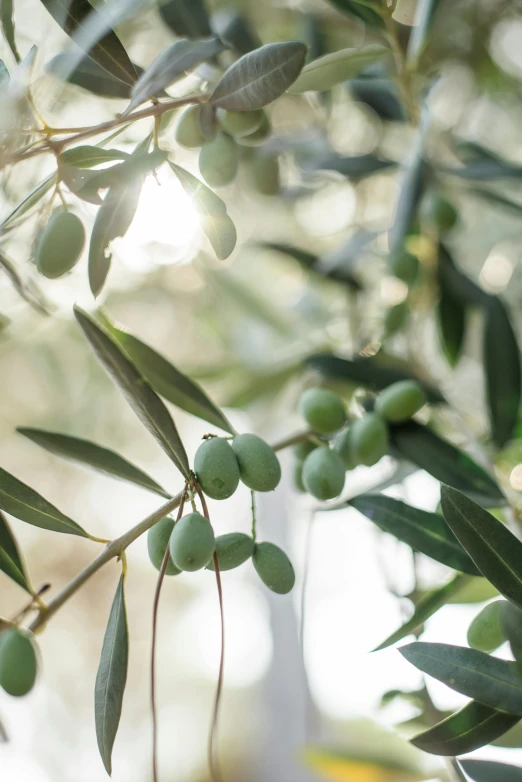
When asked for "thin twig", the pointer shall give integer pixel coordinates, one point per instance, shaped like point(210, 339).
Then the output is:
point(254, 520)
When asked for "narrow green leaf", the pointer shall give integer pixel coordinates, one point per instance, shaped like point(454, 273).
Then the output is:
point(474, 726)
point(426, 608)
point(487, 679)
point(7, 21)
point(511, 618)
point(111, 677)
point(169, 382)
point(413, 177)
point(494, 549)
point(445, 462)
point(140, 396)
point(27, 290)
point(92, 455)
point(108, 51)
point(423, 531)
point(30, 200)
point(354, 168)
point(451, 316)
point(88, 157)
point(11, 562)
point(235, 30)
point(496, 199)
point(259, 77)
point(461, 286)
point(21, 501)
point(331, 69)
point(503, 372)
point(381, 95)
point(336, 266)
point(362, 12)
point(186, 17)
point(487, 771)
point(88, 75)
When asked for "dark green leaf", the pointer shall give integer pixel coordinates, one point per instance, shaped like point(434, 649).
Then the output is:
point(338, 268)
point(6, 18)
point(169, 382)
point(88, 75)
point(215, 222)
point(21, 501)
point(235, 30)
point(140, 396)
point(11, 563)
point(429, 605)
point(451, 315)
point(423, 531)
point(108, 51)
point(455, 281)
point(503, 372)
point(445, 462)
point(355, 168)
point(352, 8)
point(111, 677)
point(496, 199)
point(88, 157)
point(380, 95)
point(92, 455)
point(186, 17)
point(413, 177)
point(331, 69)
point(367, 372)
point(478, 675)
point(485, 170)
point(494, 549)
point(172, 64)
point(474, 726)
point(511, 618)
point(259, 77)
point(487, 771)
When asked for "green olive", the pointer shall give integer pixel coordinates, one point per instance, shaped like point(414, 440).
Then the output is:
point(405, 266)
point(240, 123)
point(18, 663)
point(322, 410)
point(273, 568)
point(265, 173)
point(260, 135)
point(216, 468)
point(60, 245)
point(259, 466)
point(396, 317)
point(343, 446)
point(439, 212)
point(232, 550)
point(486, 632)
point(188, 132)
point(157, 543)
point(192, 542)
point(400, 401)
point(324, 474)
point(218, 161)
point(369, 438)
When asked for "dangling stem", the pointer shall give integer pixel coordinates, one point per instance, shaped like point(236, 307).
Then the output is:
point(254, 520)
point(153, 651)
point(213, 758)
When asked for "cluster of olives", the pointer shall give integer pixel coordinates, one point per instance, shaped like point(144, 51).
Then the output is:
point(321, 465)
point(60, 244)
point(18, 662)
point(220, 149)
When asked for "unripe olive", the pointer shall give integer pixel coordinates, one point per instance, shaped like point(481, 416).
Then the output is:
point(369, 438)
point(259, 466)
point(322, 410)
point(439, 212)
point(216, 467)
point(396, 317)
point(273, 568)
point(157, 543)
point(232, 550)
point(405, 266)
point(486, 632)
point(192, 542)
point(60, 244)
point(400, 401)
point(218, 161)
point(301, 450)
point(324, 474)
point(188, 131)
point(18, 664)
point(240, 123)
point(343, 446)
point(260, 135)
point(265, 173)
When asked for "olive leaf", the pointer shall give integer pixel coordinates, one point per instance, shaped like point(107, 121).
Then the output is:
point(380, 94)
point(11, 562)
point(30, 200)
point(337, 266)
point(92, 455)
point(111, 677)
point(478, 675)
point(27, 290)
point(87, 74)
point(259, 77)
point(487, 771)
point(140, 396)
point(186, 17)
point(172, 64)
point(331, 69)
point(445, 462)
point(168, 381)
point(18, 499)
point(459, 284)
point(7, 21)
point(452, 317)
point(216, 224)
point(423, 531)
point(494, 549)
point(511, 620)
point(474, 726)
point(108, 51)
point(235, 30)
point(87, 157)
point(354, 168)
point(503, 371)
point(367, 15)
